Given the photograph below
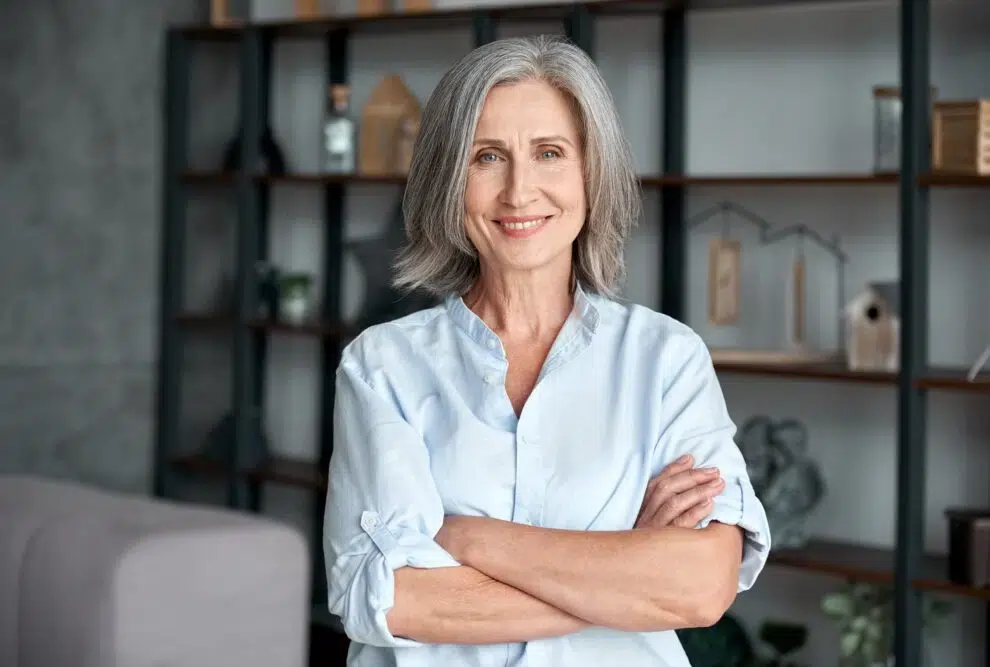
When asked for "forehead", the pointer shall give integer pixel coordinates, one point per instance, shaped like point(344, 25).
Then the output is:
point(528, 106)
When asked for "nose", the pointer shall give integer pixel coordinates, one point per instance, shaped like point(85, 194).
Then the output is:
point(519, 188)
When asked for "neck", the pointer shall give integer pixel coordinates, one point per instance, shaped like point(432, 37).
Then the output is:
point(528, 308)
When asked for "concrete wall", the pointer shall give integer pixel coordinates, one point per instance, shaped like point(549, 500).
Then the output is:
point(80, 172)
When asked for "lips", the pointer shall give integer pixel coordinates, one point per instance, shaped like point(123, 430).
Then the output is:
point(522, 223)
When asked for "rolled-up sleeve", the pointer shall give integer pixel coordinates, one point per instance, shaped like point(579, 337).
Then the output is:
point(697, 422)
point(382, 509)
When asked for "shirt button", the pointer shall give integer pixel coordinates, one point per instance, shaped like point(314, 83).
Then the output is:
point(490, 378)
point(492, 343)
point(369, 520)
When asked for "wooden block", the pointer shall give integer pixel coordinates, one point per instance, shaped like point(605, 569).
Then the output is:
point(412, 6)
point(307, 9)
point(372, 7)
point(961, 137)
point(389, 123)
point(230, 12)
point(723, 281)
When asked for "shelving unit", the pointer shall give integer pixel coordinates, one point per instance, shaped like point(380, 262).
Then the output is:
point(911, 571)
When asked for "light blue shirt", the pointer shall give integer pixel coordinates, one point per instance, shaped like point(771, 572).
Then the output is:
point(424, 428)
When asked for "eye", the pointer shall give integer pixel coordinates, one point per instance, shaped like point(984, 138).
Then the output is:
point(549, 153)
point(487, 157)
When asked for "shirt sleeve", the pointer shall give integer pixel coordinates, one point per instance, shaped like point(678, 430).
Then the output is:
point(383, 509)
point(696, 421)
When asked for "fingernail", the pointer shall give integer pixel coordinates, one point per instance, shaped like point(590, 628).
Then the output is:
point(711, 471)
point(683, 459)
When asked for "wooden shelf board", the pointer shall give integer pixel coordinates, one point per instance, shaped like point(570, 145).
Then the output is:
point(201, 177)
point(956, 180)
point(835, 371)
point(314, 329)
point(205, 320)
point(955, 380)
point(326, 179)
point(646, 180)
point(771, 179)
point(943, 378)
point(196, 177)
point(869, 564)
point(461, 17)
point(280, 470)
point(862, 563)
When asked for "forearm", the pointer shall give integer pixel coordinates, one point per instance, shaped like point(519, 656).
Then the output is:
point(636, 580)
point(460, 605)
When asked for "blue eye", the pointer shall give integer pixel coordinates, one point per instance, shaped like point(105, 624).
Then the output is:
point(550, 154)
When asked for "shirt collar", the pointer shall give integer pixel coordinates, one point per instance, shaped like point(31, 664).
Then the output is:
point(584, 317)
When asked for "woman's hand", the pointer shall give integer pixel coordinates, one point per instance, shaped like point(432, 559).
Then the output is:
point(679, 496)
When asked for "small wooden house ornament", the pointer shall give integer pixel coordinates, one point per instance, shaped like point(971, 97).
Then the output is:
point(387, 119)
point(873, 328)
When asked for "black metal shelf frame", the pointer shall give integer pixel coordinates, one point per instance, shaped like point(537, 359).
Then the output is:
point(252, 196)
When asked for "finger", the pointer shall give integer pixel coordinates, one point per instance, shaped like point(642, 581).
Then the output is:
point(675, 467)
point(682, 502)
point(678, 465)
point(665, 489)
point(695, 515)
point(672, 469)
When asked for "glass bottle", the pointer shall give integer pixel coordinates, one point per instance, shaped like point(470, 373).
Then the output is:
point(339, 135)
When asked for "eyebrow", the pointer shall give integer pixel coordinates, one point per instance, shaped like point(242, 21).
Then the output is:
point(553, 139)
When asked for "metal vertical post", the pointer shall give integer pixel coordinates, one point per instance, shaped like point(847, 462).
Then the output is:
point(333, 282)
point(673, 235)
point(259, 337)
point(484, 28)
point(911, 405)
point(245, 371)
point(172, 257)
point(580, 29)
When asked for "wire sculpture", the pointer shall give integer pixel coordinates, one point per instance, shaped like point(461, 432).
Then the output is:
point(768, 235)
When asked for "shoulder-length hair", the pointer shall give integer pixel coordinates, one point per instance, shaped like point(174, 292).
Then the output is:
point(438, 257)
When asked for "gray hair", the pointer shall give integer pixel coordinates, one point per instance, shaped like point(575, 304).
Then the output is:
point(439, 257)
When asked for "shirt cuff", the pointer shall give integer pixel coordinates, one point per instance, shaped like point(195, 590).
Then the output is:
point(371, 592)
point(738, 505)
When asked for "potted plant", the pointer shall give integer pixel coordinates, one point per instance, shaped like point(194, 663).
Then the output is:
point(295, 297)
point(864, 613)
point(784, 639)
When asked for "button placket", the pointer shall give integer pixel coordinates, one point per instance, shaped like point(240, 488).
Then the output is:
point(529, 501)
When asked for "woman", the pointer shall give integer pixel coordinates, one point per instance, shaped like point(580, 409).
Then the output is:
point(530, 472)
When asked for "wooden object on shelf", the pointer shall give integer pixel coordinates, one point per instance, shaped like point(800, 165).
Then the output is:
point(307, 9)
point(723, 281)
point(405, 142)
point(372, 7)
point(390, 106)
point(411, 6)
point(873, 328)
point(224, 13)
point(961, 137)
point(764, 357)
point(798, 301)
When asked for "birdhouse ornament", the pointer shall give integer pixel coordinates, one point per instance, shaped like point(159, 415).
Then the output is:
point(873, 328)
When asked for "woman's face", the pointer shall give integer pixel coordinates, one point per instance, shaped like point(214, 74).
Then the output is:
point(525, 199)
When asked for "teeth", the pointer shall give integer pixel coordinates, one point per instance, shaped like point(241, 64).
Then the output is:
point(522, 225)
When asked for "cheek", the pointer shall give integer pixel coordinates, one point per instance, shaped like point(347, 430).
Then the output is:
point(479, 192)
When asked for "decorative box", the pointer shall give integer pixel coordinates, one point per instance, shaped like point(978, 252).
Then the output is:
point(961, 137)
point(969, 546)
point(230, 12)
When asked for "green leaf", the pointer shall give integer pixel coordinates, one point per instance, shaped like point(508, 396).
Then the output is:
point(837, 604)
point(849, 643)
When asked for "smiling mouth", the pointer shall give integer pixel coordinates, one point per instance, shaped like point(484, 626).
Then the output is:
point(520, 223)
